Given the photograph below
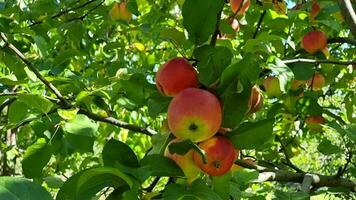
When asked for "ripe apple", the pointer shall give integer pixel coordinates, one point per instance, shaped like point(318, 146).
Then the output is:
point(314, 41)
point(296, 84)
point(119, 11)
point(185, 162)
point(316, 82)
point(220, 156)
point(239, 6)
point(256, 100)
point(315, 9)
point(194, 114)
point(272, 87)
point(176, 75)
point(314, 123)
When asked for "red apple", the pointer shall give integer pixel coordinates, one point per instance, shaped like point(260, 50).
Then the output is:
point(239, 6)
point(176, 75)
point(255, 102)
point(315, 9)
point(120, 11)
point(185, 162)
point(314, 41)
point(314, 123)
point(194, 114)
point(317, 82)
point(272, 87)
point(220, 155)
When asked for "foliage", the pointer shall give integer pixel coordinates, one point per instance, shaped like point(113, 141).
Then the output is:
point(98, 133)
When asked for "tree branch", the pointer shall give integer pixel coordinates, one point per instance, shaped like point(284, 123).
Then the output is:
point(65, 11)
point(64, 103)
point(306, 60)
point(288, 161)
point(87, 13)
point(342, 40)
point(349, 15)
point(259, 24)
point(318, 181)
point(217, 28)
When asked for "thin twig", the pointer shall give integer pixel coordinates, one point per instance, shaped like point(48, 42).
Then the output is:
point(259, 24)
point(288, 161)
point(306, 60)
point(342, 40)
point(217, 29)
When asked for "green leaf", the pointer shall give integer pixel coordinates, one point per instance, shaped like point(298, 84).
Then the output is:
point(302, 71)
point(252, 135)
point(198, 190)
point(196, 20)
point(243, 178)
point(221, 185)
point(283, 72)
point(159, 165)
point(53, 181)
point(36, 102)
point(118, 152)
point(327, 148)
point(280, 195)
point(81, 125)
point(15, 188)
point(18, 111)
point(183, 147)
point(172, 34)
point(79, 143)
point(85, 184)
point(212, 62)
point(68, 114)
point(36, 158)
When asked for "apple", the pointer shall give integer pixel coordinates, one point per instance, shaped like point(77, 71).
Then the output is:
point(239, 6)
point(315, 9)
point(185, 162)
point(119, 11)
point(176, 75)
point(296, 84)
point(194, 114)
point(314, 122)
point(317, 82)
point(272, 87)
point(220, 156)
point(314, 41)
point(255, 102)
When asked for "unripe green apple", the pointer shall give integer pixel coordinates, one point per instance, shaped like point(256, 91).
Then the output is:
point(314, 41)
point(194, 114)
point(176, 75)
point(185, 162)
point(316, 82)
point(220, 156)
point(272, 87)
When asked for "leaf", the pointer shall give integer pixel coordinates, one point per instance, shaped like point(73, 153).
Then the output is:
point(302, 71)
point(81, 125)
point(85, 184)
point(118, 152)
point(68, 114)
point(172, 34)
point(252, 135)
point(53, 181)
point(30, 74)
point(36, 102)
point(212, 62)
point(36, 158)
point(183, 147)
point(280, 195)
point(284, 74)
point(221, 185)
point(79, 143)
point(159, 165)
point(15, 188)
point(198, 190)
point(327, 148)
point(197, 22)
point(18, 111)
point(243, 177)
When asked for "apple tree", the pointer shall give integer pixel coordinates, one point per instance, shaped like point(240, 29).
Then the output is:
point(186, 99)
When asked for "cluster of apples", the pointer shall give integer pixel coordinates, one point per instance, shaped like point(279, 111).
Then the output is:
point(196, 114)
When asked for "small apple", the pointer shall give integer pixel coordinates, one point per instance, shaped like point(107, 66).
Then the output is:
point(119, 11)
point(239, 6)
point(296, 84)
point(194, 114)
point(255, 102)
point(185, 162)
point(272, 87)
point(314, 41)
point(220, 156)
point(315, 9)
point(176, 75)
point(314, 123)
point(317, 82)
